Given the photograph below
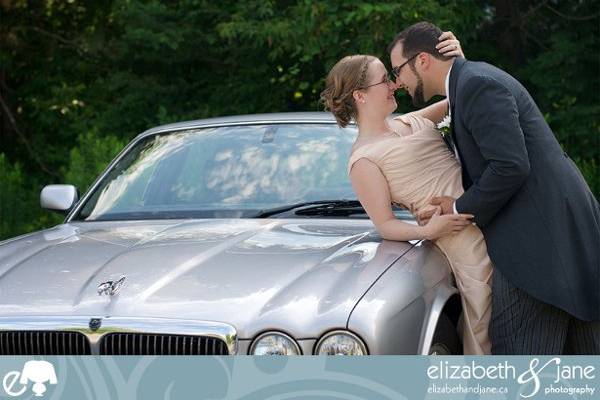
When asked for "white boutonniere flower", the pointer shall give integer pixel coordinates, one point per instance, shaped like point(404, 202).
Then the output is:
point(444, 126)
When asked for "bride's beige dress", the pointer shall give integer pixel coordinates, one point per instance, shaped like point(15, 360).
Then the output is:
point(419, 167)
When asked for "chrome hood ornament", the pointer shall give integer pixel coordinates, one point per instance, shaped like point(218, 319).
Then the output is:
point(111, 287)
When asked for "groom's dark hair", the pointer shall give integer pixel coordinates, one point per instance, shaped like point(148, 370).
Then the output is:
point(421, 37)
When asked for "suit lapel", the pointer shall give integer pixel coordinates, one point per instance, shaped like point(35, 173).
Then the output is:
point(457, 65)
point(454, 73)
point(448, 141)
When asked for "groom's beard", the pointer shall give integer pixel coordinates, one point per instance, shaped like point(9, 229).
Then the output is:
point(418, 97)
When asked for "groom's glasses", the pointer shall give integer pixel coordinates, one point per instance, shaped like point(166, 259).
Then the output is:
point(396, 70)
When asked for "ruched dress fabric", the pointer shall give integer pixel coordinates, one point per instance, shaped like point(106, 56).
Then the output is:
point(417, 168)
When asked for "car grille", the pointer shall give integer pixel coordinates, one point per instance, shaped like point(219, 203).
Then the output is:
point(81, 335)
point(160, 344)
point(43, 343)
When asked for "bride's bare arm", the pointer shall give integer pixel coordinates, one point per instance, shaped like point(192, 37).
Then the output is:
point(373, 192)
point(435, 112)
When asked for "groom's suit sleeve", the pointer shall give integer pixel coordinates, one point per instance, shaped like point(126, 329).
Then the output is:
point(490, 113)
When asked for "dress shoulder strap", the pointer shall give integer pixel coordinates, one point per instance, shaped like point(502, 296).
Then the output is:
point(362, 152)
point(416, 122)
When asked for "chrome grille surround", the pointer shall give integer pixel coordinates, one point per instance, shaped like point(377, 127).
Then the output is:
point(144, 326)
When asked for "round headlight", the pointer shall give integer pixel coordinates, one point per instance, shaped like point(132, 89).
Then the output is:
point(274, 344)
point(340, 343)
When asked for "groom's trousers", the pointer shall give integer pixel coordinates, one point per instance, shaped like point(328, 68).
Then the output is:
point(521, 324)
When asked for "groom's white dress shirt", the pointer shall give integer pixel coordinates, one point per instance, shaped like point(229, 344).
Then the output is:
point(447, 87)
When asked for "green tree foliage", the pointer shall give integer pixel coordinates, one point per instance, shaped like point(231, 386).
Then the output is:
point(89, 158)
point(560, 65)
point(79, 79)
point(20, 211)
point(13, 197)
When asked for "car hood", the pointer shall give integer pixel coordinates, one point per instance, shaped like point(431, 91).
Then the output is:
point(299, 276)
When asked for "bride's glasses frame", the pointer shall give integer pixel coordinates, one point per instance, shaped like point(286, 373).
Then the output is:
point(387, 80)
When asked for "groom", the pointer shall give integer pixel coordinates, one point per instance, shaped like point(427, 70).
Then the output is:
point(540, 220)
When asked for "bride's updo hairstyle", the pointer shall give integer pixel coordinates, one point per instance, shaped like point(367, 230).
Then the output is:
point(346, 76)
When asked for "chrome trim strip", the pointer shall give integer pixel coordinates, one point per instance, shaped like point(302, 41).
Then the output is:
point(238, 123)
point(218, 330)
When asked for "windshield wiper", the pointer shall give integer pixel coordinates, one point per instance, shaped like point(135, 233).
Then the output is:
point(319, 207)
point(338, 208)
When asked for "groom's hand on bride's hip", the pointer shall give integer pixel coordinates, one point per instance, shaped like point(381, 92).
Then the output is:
point(444, 203)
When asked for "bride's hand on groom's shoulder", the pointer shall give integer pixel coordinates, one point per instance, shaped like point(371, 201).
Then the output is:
point(449, 45)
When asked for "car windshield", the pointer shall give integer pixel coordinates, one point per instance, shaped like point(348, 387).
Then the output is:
point(224, 172)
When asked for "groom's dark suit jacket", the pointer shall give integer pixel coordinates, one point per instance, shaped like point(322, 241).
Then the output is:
point(540, 220)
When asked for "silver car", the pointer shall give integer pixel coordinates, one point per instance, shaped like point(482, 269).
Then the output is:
point(237, 235)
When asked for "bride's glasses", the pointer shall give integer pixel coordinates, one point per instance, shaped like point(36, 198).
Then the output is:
point(387, 80)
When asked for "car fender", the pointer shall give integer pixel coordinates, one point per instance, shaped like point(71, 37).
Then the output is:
point(399, 312)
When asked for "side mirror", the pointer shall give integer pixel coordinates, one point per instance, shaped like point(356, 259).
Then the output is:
point(58, 197)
